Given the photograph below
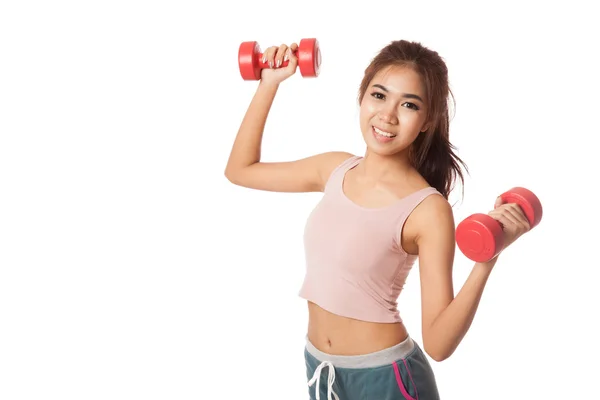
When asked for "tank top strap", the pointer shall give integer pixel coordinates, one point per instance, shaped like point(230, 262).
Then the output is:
point(337, 175)
point(417, 197)
point(408, 204)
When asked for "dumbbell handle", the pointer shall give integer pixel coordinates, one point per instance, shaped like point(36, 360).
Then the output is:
point(264, 65)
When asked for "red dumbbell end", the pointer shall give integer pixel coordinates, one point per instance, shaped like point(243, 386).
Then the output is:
point(479, 237)
point(309, 57)
point(248, 61)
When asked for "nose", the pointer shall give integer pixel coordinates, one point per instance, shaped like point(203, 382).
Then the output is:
point(388, 116)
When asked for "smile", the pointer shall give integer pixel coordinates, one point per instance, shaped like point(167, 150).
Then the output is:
point(384, 133)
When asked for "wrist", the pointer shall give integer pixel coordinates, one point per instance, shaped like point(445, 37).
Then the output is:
point(269, 85)
point(488, 264)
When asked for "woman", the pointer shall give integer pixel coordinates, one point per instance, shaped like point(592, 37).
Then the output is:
point(378, 213)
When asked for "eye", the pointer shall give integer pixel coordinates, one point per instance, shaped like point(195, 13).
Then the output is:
point(377, 95)
point(411, 105)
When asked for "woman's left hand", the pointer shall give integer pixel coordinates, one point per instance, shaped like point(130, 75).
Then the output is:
point(512, 219)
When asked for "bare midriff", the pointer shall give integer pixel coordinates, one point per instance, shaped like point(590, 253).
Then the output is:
point(334, 334)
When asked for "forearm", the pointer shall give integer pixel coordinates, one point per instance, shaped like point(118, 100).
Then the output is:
point(246, 148)
point(452, 324)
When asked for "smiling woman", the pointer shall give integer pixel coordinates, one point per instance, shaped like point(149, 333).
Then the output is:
point(379, 212)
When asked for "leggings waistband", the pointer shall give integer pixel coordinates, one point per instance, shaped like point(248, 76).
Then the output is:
point(369, 360)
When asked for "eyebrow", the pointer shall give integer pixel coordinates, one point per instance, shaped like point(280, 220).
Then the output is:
point(407, 95)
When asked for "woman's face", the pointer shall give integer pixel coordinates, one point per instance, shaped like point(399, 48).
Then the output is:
point(393, 112)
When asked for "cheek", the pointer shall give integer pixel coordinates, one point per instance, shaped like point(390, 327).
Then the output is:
point(363, 114)
point(367, 111)
point(411, 118)
point(369, 108)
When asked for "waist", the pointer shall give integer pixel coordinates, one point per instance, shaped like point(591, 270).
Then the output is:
point(337, 335)
point(374, 359)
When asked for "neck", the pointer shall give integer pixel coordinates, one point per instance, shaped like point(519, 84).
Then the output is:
point(376, 167)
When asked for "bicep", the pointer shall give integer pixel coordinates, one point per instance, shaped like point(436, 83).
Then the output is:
point(304, 175)
point(436, 244)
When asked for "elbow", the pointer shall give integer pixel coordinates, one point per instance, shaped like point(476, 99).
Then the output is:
point(437, 356)
point(228, 175)
point(231, 175)
point(236, 173)
point(437, 353)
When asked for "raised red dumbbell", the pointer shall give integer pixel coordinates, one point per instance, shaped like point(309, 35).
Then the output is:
point(251, 63)
point(480, 237)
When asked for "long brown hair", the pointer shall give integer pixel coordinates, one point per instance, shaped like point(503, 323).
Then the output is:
point(431, 154)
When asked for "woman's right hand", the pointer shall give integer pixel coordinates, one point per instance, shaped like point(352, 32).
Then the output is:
point(276, 56)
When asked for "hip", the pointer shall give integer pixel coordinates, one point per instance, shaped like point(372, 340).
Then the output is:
point(399, 372)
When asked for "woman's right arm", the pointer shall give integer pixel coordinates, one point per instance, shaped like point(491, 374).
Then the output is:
point(244, 167)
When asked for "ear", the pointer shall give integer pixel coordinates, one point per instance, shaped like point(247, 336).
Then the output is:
point(425, 128)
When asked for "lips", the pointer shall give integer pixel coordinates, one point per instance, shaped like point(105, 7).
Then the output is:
point(384, 133)
point(382, 136)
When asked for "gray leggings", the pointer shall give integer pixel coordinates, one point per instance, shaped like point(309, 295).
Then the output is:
point(400, 372)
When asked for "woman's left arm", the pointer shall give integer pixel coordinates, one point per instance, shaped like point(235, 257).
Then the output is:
point(446, 318)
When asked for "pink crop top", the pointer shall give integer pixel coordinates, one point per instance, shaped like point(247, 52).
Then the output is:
point(355, 265)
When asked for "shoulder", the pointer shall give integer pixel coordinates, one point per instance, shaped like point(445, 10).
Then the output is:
point(333, 159)
point(433, 220)
point(432, 215)
point(434, 205)
point(329, 162)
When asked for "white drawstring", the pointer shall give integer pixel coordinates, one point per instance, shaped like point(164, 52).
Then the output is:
point(330, 379)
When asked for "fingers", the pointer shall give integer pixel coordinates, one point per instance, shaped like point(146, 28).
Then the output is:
point(275, 56)
point(279, 55)
point(505, 216)
point(269, 56)
point(291, 56)
point(517, 215)
point(502, 219)
point(511, 217)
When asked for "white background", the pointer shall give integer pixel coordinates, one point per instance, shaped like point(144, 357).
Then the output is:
point(130, 268)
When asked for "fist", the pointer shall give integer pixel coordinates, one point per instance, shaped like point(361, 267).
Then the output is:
point(513, 221)
point(275, 57)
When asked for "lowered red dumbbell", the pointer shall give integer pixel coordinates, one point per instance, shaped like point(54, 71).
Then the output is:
point(251, 63)
point(480, 237)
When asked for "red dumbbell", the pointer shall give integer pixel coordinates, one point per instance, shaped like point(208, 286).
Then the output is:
point(251, 63)
point(480, 237)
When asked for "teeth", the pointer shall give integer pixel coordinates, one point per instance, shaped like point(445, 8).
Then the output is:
point(382, 133)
